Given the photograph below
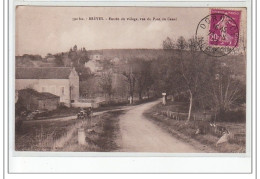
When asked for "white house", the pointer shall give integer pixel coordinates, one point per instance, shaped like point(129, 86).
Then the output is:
point(60, 81)
point(95, 63)
point(96, 56)
point(94, 66)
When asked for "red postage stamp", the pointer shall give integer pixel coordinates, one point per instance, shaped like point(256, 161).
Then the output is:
point(224, 27)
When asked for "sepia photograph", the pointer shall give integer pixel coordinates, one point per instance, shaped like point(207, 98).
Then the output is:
point(130, 79)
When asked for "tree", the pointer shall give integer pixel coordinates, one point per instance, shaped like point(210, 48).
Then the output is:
point(83, 57)
point(48, 55)
point(84, 73)
point(168, 44)
point(73, 55)
point(75, 48)
point(105, 83)
point(192, 69)
point(143, 76)
point(226, 91)
point(58, 60)
point(181, 43)
point(128, 71)
point(78, 57)
point(165, 75)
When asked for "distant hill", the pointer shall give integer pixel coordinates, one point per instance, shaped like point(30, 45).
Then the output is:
point(134, 53)
point(235, 62)
point(31, 61)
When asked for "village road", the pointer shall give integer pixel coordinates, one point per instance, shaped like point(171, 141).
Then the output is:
point(138, 134)
point(74, 117)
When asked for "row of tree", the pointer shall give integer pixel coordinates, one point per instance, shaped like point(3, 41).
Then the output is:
point(201, 78)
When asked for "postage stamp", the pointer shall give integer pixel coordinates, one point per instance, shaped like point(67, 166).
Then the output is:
point(224, 27)
point(218, 33)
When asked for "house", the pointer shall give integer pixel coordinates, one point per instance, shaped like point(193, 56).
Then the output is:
point(95, 63)
point(33, 100)
point(60, 81)
point(97, 56)
point(94, 66)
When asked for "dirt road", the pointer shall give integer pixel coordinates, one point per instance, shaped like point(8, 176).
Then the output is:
point(74, 117)
point(138, 134)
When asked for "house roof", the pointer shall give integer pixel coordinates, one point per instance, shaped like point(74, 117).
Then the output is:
point(43, 73)
point(37, 95)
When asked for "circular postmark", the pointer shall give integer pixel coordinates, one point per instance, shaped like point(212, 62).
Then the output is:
point(217, 34)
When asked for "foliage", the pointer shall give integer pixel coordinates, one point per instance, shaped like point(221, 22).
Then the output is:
point(84, 73)
point(165, 76)
point(204, 80)
point(193, 69)
point(32, 57)
point(231, 116)
point(78, 57)
point(168, 44)
point(143, 77)
point(105, 83)
point(58, 60)
point(130, 77)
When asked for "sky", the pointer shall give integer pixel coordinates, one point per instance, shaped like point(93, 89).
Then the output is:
point(42, 30)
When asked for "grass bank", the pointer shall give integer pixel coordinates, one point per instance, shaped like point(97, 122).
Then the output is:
point(100, 137)
point(207, 142)
point(62, 135)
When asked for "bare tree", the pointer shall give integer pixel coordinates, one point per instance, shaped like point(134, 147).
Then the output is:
point(129, 71)
point(225, 91)
point(191, 69)
point(131, 80)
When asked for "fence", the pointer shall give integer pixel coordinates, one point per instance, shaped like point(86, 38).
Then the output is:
point(184, 116)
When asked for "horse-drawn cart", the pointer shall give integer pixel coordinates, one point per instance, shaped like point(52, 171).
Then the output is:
point(85, 113)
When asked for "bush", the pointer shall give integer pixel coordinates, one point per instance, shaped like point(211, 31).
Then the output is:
point(182, 98)
point(144, 100)
point(114, 103)
point(231, 116)
point(18, 123)
point(19, 108)
point(63, 106)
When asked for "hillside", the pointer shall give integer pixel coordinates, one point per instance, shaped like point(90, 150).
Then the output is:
point(31, 61)
point(236, 63)
point(134, 53)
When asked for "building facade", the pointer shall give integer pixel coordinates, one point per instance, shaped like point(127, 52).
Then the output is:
point(94, 66)
point(33, 100)
point(62, 82)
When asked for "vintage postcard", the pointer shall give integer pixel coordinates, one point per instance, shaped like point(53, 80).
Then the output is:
point(130, 79)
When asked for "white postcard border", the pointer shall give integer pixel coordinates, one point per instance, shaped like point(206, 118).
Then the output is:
point(24, 162)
